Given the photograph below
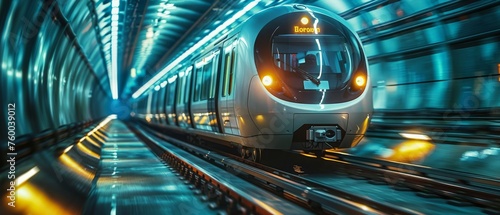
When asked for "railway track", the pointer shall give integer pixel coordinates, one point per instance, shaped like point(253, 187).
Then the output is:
point(316, 197)
point(224, 191)
point(464, 193)
point(424, 189)
point(458, 188)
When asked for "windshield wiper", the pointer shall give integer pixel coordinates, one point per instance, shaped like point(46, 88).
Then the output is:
point(304, 73)
point(307, 75)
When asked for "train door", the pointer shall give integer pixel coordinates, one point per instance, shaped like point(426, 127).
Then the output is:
point(169, 103)
point(161, 106)
point(181, 102)
point(203, 101)
point(153, 106)
point(227, 115)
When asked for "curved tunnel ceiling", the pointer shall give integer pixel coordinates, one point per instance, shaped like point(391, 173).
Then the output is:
point(151, 33)
point(434, 65)
point(148, 30)
point(388, 29)
point(426, 57)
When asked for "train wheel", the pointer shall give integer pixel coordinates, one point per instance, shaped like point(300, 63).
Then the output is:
point(256, 155)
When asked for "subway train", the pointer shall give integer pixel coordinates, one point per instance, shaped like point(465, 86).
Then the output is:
point(291, 77)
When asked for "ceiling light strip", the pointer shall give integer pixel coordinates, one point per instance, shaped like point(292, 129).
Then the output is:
point(174, 63)
point(113, 69)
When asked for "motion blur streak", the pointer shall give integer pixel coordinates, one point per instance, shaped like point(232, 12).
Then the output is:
point(33, 200)
point(411, 151)
point(75, 167)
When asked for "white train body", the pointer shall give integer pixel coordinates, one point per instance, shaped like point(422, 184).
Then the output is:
point(254, 87)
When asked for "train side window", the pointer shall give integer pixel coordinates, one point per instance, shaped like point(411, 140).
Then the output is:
point(203, 95)
point(161, 100)
point(231, 72)
point(155, 102)
point(148, 108)
point(142, 106)
point(152, 110)
point(159, 95)
point(197, 84)
point(180, 93)
point(171, 93)
point(167, 96)
point(227, 67)
point(164, 99)
point(152, 103)
point(145, 105)
point(207, 73)
point(213, 76)
point(187, 90)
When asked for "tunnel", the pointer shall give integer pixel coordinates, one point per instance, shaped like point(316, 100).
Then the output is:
point(208, 106)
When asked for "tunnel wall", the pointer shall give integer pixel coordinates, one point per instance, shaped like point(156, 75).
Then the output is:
point(432, 55)
point(46, 71)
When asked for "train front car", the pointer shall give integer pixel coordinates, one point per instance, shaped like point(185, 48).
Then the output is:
point(311, 90)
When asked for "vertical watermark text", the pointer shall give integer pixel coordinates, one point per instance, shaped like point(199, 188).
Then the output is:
point(11, 153)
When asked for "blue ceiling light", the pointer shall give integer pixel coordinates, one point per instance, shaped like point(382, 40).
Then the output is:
point(152, 33)
point(113, 67)
point(206, 39)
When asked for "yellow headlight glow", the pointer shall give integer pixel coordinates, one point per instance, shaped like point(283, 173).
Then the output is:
point(267, 80)
point(304, 20)
point(360, 81)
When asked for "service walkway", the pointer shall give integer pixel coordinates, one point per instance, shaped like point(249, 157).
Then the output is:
point(132, 180)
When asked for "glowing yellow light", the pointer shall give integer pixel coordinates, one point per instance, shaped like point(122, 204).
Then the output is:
point(498, 71)
point(101, 136)
point(411, 151)
point(267, 80)
point(259, 118)
point(308, 155)
point(415, 136)
point(67, 161)
point(93, 142)
point(364, 207)
point(31, 199)
point(87, 151)
point(328, 159)
point(24, 192)
point(304, 20)
point(360, 81)
point(203, 120)
point(67, 149)
point(297, 29)
point(24, 177)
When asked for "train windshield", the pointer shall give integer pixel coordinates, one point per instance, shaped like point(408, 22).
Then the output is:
point(312, 62)
point(306, 63)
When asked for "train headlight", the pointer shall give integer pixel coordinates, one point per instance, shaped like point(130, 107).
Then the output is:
point(267, 80)
point(360, 81)
point(304, 20)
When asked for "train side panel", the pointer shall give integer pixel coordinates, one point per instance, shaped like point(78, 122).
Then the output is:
point(182, 103)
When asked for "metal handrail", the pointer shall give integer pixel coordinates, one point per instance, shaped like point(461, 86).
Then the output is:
point(28, 144)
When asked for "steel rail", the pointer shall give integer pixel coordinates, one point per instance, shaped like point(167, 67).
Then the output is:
point(317, 196)
point(460, 186)
point(218, 186)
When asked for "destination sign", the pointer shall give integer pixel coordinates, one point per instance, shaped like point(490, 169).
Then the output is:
point(309, 30)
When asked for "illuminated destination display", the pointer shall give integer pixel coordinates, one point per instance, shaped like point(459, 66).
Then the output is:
point(298, 29)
